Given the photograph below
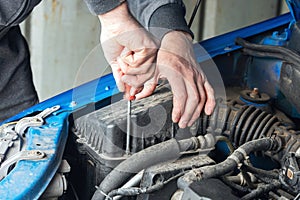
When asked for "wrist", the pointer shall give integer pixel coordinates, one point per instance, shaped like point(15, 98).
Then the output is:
point(178, 34)
point(181, 37)
point(175, 41)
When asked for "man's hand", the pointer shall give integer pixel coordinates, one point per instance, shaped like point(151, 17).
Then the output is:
point(125, 41)
point(191, 90)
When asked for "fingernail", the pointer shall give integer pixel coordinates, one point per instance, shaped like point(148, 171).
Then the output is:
point(208, 110)
point(175, 119)
point(182, 124)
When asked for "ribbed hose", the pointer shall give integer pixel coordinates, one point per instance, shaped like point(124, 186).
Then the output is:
point(251, 123)
point(242, 124)
point(263, 144)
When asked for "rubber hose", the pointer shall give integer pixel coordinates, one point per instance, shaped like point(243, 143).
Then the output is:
point(260, 172)
point(153, 155)
point(271, 55)
point(263, 144)
point(269, 48)
point(261, 190)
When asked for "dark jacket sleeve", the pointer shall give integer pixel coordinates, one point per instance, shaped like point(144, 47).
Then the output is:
point(17, 91)
point(13, 12)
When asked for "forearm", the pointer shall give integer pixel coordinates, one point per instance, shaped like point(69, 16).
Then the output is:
point(117, 18)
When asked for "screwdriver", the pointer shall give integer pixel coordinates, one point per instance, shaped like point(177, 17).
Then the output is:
point(127, 90)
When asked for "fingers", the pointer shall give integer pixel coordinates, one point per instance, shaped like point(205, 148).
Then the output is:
point(140, 68)
point(141, 50)
point(179, 99)
point(134, 49)
point(199, 95)
point(130, 92)
point(141, 57)
point(210, 102)
point(147, 90)
point(117, 73)
point(200, 100)
point(136, 81)
point(192, 107)
point(190, 89)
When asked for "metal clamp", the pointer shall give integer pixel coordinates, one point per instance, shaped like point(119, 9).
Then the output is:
point(22, 155)
point(6, 141)
point(37, 120)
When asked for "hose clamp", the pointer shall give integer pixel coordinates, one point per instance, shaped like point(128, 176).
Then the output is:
point(234, 158)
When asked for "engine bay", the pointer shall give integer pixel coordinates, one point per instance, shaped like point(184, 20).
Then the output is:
point(247, 149)
point(242, 151)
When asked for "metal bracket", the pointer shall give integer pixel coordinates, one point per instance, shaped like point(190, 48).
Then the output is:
point(37, 120)
point(22, 155)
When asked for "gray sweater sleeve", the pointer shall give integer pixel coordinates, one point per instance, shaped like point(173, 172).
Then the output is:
point(98, 7)
point(158, 16)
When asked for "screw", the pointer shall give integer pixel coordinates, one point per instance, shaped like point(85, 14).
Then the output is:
point(73, 104)
point(290, 174)
point(254, 93)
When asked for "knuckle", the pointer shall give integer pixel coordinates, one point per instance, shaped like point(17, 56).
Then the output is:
point(192, 121)
point(202, 97)
point(181, 98)
point(194, 99)
point(190, 73)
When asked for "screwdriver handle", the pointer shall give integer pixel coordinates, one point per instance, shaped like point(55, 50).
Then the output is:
point(127, 90)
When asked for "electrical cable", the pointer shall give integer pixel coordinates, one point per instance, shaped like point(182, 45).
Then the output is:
point(132, 191)
point(261, 189)
point(270, 55)
point(235, 186)
point(195, 175)
point(260, 172)
point(194, 13)
point(135, 180)
point(269, 49)
point(161, 152)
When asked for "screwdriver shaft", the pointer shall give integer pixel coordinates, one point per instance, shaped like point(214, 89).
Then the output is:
point(127, 151)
